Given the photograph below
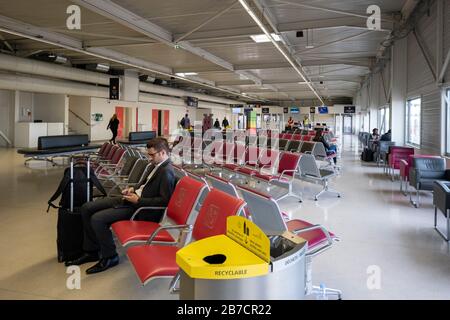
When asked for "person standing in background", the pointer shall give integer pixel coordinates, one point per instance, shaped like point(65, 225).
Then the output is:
point(225, 123)
point(290, 123)
point(113, 125)
point(185, 122)
point(217, 124)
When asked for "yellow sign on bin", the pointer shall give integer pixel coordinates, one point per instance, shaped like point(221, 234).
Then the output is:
point(249, 235)
point(244, 252)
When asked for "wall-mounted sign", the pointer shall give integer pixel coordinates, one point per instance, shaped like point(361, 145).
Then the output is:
point(312, 109)
point(349, 109)
point(97, 116)
point(285, 110)
point(295, 110)
point(114, 88)
point(265, 110)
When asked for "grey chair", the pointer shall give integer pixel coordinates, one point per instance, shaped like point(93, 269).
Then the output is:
point(222, 185)
point(294, 146)
point(138, 174)
point(282, 144)
point(179, 171)
point(441, 201)
point(382, 151)
point(308, 147)
point(264, 211)
point(310, 172)
point(423, 174)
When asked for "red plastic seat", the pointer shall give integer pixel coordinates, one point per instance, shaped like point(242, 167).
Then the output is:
point(297, 137)
point(153, 261)
point(179, 210)
point(314, 237)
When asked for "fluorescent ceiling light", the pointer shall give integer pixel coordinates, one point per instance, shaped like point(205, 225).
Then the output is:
point(285, 55)
point(259, 38)
point(309, 46)
point(184, 74)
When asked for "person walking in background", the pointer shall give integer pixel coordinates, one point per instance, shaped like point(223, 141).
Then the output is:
point(217, 124)
point(113, 125)
point(225, 123)
point(185, 122)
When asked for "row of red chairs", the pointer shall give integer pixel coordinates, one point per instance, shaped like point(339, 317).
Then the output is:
point(154, 255)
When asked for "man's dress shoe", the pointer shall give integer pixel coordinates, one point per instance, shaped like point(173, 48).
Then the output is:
point(86, 257)
point(104, 264)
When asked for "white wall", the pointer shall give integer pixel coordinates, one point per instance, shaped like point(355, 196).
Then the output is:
point(7, 115)
point(51, 108)
point(82, 107)
point(25, 103)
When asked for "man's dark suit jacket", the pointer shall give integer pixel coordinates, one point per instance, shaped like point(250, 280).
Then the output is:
point(157, 191)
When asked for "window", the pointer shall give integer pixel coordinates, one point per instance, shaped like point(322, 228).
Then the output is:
point(413, 108)
point(383, 119)
point(447, 123)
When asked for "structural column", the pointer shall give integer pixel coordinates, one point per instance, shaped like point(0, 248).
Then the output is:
point(399, 87)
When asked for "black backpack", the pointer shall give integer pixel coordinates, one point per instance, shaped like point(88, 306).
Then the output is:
point(80, 183)
point(182, 122)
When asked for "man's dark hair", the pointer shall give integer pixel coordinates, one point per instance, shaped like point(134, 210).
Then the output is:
point(158, 144)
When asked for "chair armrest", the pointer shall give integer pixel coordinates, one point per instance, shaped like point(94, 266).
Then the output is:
point(447, 174)
point(187, 227)
point(284, 171)
point(145, 208)
point(403, 165)
point(324, 231)
point(443, 185)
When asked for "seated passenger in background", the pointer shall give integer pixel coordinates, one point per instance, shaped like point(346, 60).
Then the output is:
point(329, 147)
point(387, 136)
point(375, 136)
point(97, 216)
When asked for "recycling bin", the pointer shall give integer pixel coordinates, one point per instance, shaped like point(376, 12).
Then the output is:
point(221, 268)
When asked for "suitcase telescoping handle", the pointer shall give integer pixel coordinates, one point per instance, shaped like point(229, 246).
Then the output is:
point(88, 164)
point(71, 184)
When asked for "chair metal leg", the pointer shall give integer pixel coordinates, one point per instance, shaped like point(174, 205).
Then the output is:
point(290, 193)
point(447, 218)
point(328, 292)
point(326, 188)
point(416, 203)
point(405, 193)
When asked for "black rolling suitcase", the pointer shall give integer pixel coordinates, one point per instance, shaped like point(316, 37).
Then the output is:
point(75, 188)
point(367, 155)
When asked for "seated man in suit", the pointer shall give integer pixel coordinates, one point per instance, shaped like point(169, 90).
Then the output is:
point(97, 216)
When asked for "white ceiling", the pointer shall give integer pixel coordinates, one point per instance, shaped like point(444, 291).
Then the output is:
point(343, 48)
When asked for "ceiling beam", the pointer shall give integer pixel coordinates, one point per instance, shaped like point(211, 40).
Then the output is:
point(245, 32)
point(364, 16)
point(121, 15)
point(335, 41)
point(21, 29)
point(218, 14)
point(290, 81)
point(365, 62)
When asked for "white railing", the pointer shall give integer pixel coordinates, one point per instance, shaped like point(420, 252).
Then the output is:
point(6, 138)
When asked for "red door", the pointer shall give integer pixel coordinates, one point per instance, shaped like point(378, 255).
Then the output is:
point(155, 119)
point(120, 112)
point(166, 123)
